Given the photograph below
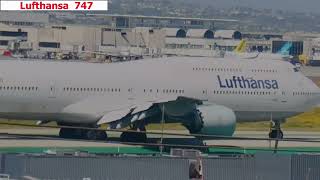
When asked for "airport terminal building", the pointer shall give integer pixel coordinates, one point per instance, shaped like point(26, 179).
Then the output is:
point(125, 35)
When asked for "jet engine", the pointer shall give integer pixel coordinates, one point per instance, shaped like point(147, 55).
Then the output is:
point(213, 120)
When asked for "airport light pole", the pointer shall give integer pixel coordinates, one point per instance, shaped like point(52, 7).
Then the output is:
point(162, 128)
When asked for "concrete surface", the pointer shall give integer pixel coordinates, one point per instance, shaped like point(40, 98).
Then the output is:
point(48, 138)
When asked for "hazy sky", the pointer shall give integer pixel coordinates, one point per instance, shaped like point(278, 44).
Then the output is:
point(296, 5)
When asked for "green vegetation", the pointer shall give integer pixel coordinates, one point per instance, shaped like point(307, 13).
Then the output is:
point(166, 127)
point(307, 121)
point(4, 126)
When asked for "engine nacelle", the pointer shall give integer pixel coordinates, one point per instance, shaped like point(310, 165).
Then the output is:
point(215, 120)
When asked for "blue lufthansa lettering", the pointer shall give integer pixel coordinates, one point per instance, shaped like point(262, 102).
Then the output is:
point(275, 84)
point(220, 83)
point(268, 85)
point(243, 83)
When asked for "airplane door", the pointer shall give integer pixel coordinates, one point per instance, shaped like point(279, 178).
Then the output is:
point(52, 90)
point(204, 95)
point(280, 98)
point(131, 95)
point(283, 97)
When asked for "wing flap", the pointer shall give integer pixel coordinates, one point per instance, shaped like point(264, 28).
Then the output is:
point(113, 116)
point(116, 118)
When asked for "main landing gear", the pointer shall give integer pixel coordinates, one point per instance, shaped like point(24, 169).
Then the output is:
point(136, 135)
point(69, 133)
point(275, 130)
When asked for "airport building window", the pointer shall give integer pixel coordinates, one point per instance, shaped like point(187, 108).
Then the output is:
point(59, 27)
point(4, 43)
point(49, 44)
point(13, 33)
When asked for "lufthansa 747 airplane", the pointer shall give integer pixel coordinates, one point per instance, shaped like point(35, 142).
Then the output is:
point(206, 95)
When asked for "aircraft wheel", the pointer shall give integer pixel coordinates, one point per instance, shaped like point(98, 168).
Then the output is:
point(90, 134)
point(102, 135)
point(133, 137)
point(94, 135)
point(62, 133)
point(67, 133)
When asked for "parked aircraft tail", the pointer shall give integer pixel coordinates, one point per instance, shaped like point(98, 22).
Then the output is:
point(285, 50)
point(241, 47)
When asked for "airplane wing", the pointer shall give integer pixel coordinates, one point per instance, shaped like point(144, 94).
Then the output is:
point(119, 114)
point(141, 111)
point(115, 114)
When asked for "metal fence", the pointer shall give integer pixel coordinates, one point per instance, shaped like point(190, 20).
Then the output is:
point(305, 167)
point(272, 167)
point(100, 168)
point(229, 168)
point(245, 167)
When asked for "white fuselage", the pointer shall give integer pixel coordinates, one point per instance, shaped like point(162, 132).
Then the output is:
point(254, 90)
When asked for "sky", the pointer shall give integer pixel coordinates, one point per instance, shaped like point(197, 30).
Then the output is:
point(292, 5)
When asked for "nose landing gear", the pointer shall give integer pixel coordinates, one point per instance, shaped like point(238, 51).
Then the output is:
point(275, 130)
